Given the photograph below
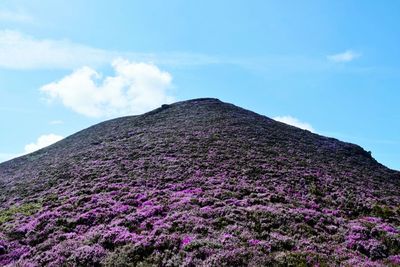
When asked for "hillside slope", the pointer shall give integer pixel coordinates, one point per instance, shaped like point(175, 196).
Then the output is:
point(198, 183)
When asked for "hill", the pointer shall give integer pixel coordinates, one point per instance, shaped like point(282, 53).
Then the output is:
point(198, 183)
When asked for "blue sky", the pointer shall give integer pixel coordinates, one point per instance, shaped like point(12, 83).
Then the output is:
point(329, 66)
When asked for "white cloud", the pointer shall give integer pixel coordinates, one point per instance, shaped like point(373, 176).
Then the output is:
point(14, 16)
point(346, 56)
point(42, 141)
point(7, 156)
point(295, 122)
point(135, 88)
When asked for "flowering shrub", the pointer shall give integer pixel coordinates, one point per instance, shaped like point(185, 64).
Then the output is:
point(200, 183)
point(87, 256)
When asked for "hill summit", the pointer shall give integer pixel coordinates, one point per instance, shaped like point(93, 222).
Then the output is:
point(198, 183)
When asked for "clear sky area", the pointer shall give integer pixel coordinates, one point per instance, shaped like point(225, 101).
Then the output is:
point(332, 67)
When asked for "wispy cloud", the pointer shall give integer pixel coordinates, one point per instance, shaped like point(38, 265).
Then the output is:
point(295, 122)
point(345, 56)
point(135, 88)
point(14, 16)
point(22, 51)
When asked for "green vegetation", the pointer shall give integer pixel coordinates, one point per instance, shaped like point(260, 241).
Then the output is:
point(26, 209)
point(383, 211)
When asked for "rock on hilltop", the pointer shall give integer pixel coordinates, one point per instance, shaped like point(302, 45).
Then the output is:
point(199, 183)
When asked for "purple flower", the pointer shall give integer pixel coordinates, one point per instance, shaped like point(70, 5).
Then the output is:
point(187, 240)
point(254, 242)
point(395, 259)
